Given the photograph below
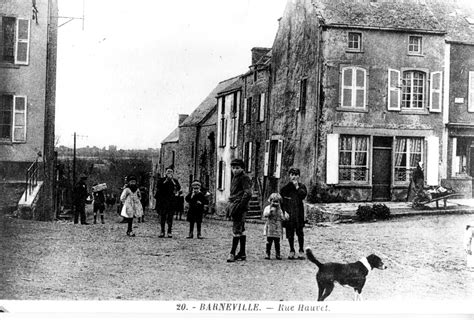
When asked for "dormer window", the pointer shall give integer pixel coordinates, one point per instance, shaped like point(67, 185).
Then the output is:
point(414, 45)
point(354, 42)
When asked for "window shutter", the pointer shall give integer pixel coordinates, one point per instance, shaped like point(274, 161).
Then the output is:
point(262, 107)
point(470, 105)
point(346, 90)
point(249, 160)
point(455, 159)
point(432, 159)
point(22, 46)
point(245, 110)
point(332, 159)
point(267, 157)
point(277, 172)
point(393, 97)
point(223, 174)
point(224, 137)
point(19, 118)
point(435, 91)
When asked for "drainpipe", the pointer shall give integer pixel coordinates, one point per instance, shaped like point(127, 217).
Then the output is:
point(318, 95)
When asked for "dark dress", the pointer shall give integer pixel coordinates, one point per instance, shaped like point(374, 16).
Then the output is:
point(196, 210)
point(293, 204)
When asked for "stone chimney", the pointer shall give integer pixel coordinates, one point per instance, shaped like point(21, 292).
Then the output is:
point(182, 117)
point(258, 53)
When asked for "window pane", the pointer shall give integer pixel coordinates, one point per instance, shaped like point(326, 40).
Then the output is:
point(19, 134)
point(345, 158)
point(347, 74)
point(22, 29)
point(360, 78)
point(19, 119)
point(20, 104)
point(347, 98)
point(8, 24)
point(360, 98)
point(345, 143)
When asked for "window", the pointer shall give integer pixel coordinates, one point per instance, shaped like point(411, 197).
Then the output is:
point(273, 155)
point(234, 119)
point(248, 110)
point(221, 175)
point(353, 158)
point(261, 107)
point(13, 112)
point(414, 44)
point(222, 123)
point(470, 97)
point(413, 89)
point(15, 40)
point(354, 41)
point(408, 152)
point(248, 156)
point(303, 93)
point(255, 76)
point(353, 91)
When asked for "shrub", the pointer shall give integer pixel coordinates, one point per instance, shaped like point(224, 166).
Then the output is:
point(364, 213)
point(381, 211)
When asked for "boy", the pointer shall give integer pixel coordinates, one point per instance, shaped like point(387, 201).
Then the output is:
point(197, 200)
point(166, 190)
point(99, 203)
point(240, 194)
point(293, 194)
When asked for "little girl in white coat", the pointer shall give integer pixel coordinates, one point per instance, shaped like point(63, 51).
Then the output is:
point(132, 206)
point(273, 226)
point(469, 246)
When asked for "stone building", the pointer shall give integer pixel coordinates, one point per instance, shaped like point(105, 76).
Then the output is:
point(169, 149)
point(357, 96)
point(229, 101)
point(28, 46)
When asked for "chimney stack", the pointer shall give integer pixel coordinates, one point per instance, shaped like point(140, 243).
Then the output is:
point(258, 53)
point(182, 117)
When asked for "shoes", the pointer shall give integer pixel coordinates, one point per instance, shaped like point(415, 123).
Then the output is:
point(241, 256)
point(278, 257)
point(130, 234)
point(301, 255)
point(199, 236)
point(231, 258)
point(170, 235)
point(267, 257)
point(190, 236)
point(162, 235)
point(292, 255)
point(85, 223)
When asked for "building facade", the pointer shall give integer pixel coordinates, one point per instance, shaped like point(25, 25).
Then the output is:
point(28, 46)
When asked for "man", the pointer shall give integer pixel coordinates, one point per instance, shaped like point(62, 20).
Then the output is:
point(80, 197)
point(240, 194)
point(166, 190)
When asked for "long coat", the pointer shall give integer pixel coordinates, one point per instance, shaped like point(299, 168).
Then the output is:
point(293, 203)
point(166, 190)
point(132, 207)
point(196, 210)
point(240, 194)
point(273, 224)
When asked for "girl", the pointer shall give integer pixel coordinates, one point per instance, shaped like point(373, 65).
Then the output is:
point(197, 200)
point(273, 227)
point(469, 247)
point(131, 204)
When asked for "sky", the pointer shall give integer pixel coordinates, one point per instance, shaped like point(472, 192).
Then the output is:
point(124, 79)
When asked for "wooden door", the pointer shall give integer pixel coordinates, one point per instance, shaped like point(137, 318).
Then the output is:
point(381, 168)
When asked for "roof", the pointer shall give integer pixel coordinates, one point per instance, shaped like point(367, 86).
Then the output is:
point(232, 86)
point(456, 19)
point(172, 137)
point(207, 105)
point(397, 15)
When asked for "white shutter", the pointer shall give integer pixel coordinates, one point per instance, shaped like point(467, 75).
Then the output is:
point(224, 137)
point(277, 172)
point(261, 116)
point(245, 110)
point(455, 158)
point(19, 118)
point(332, 159)
point(22, 44)
point(224, 173)
point(394, 92)
point(249, 157)
point(435, 91)
point(470, 105)
point(347, 87)
point(267, 157)
point(432, 158)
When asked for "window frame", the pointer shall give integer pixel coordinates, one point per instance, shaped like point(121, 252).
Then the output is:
point(349, 41)
point(412, 93)
point(352, 166)
point(353, 88)
point(407, 167)
point(303, 98)
point(410, 45)
point(17, 42)
point(15, 112)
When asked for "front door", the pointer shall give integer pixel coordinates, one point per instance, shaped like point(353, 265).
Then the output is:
point(381, 168)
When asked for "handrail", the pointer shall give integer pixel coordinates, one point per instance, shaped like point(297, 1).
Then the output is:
point(31, 179)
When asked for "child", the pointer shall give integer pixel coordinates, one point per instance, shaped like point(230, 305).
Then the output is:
point(144, 201)
point(293, 194)
point(273, 227)
point(196, 200)
point(469, 247)
point(131, 204)
point(180, 205)
point(99, 204)
point(240, 194)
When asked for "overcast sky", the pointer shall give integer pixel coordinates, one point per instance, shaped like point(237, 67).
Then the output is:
point(124, 79)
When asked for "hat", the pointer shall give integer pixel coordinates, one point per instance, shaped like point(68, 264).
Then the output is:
point(237, 162)
point(196, 183)
point(295, 171)
point(130, 178)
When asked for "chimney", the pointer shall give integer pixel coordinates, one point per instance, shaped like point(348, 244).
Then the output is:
point(182, 117)
point(258, 53)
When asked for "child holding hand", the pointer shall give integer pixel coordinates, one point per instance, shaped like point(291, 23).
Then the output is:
point(273, 226)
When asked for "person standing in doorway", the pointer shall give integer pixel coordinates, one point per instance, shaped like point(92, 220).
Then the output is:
point(240, 194)
point(80, 197)
point(166, 190)
point(293, 194)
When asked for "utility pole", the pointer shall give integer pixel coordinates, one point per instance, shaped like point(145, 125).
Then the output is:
point(74, 163)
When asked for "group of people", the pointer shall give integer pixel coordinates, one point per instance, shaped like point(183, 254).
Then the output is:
point(285, 210)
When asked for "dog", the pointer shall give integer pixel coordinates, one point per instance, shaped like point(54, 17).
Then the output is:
point(347, 274)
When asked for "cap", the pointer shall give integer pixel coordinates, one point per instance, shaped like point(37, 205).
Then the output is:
point(237, 162)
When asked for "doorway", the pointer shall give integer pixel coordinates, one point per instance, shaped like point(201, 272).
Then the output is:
point(381, 168)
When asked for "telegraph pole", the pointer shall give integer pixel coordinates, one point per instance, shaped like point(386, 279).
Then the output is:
point(74, 163)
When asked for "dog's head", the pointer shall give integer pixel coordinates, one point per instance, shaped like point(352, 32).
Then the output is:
point(376, 262)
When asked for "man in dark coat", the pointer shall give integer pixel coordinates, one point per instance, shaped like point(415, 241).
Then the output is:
point(166, 190)
point(240, 194)
point(80, 197)
point(293, 195)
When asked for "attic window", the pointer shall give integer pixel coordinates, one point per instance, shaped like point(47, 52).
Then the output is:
point(414, 45)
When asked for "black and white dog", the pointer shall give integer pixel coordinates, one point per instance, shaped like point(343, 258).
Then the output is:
point(347, 274)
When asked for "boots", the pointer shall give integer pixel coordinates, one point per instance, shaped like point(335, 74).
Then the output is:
point(95, 219)
point(269, 247)
point(102, 219)
point(241, 255)
point(277, 250)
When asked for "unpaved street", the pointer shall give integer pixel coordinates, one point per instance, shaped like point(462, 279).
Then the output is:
point(59, 260)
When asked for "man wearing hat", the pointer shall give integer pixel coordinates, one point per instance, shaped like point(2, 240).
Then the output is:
point(80, 197)
point(166, 190)
point(240, 194)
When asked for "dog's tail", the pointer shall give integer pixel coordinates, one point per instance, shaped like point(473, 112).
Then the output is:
point(312, 258)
